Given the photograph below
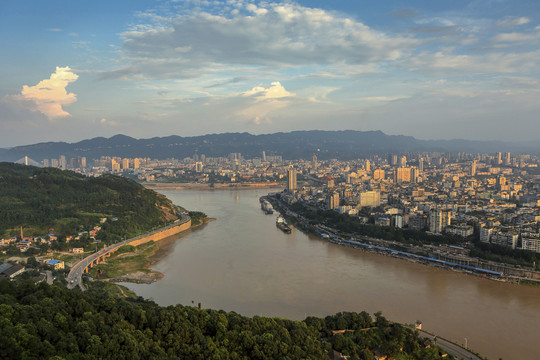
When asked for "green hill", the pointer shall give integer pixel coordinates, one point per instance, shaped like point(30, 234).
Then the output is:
point(48, 322)
point(49, 200)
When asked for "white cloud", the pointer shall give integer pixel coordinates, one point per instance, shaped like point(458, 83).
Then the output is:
point(516, 37)
point(511, 21)
point(383, 98)
point(50, 95)
point(276, 35)
point(446, 62)
point(274, 91)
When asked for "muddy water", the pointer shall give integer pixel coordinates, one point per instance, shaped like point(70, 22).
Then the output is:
point(241, 262)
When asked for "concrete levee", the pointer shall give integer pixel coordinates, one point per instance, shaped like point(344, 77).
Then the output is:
point(162, 234)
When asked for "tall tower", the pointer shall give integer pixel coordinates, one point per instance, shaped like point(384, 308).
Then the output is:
point(291, 180)
point(473, 168)
point(62, 163)
point(264, 155)
point(506, 158)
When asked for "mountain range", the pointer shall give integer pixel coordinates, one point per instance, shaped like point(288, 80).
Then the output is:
point(344, 144)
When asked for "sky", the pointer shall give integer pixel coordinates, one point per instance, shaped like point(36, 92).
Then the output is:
point(446, 69)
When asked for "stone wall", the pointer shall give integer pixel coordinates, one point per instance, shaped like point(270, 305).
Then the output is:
point(162, 234)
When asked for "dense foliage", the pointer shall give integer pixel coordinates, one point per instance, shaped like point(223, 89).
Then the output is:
point(197, 217)
point(49, 200)
point(505, 254)
point(48, 322)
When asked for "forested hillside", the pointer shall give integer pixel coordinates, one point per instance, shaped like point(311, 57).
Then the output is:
point(48, 322)
point(49, 200)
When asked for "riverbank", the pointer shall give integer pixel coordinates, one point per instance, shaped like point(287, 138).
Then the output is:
point(133, 263)
point(199, 186)
point(459, 263)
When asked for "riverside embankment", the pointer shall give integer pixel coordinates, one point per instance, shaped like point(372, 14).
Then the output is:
point(204, 186)
point(74, 277)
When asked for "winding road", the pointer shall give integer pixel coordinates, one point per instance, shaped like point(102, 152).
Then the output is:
point(454, 349)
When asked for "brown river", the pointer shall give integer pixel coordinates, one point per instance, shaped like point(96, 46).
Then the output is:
point(241, 262)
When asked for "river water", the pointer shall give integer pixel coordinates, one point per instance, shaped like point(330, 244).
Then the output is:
point(241, 262)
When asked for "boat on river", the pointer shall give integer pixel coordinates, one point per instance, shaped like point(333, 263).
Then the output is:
point(267, 207)
point(282, 224)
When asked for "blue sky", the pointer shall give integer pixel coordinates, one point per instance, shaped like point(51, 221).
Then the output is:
point(431, 69)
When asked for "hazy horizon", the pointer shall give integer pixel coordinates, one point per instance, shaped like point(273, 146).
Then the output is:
point(73, 141)
point(71, 71)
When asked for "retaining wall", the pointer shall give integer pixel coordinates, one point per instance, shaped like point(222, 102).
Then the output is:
point(162, 234)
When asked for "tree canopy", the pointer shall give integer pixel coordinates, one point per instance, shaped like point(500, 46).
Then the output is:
point(50, 322)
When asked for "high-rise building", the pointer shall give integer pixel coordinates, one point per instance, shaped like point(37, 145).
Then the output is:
point(314, 162)
point(402, 174)
point(378, 174)
point(54, 163)
point(439, 220)
point(291, 180)
point(501, 183)
point(473, 168)
point(125, 163)
point(403, 161)
point(332, 201)
point(369, 198)
point(45, 162)
point(368, 166)
point(264, 155)
point(499, 158)
point(198, 166)
point(421, 164)
point(392, 159)
point(62, 162)
point(507, 158)
point(115, 166)
point(136, 163)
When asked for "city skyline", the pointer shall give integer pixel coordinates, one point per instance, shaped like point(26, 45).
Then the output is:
point(74, 71)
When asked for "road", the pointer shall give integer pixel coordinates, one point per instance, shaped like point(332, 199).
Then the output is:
point(453, 349)
point(74, 277)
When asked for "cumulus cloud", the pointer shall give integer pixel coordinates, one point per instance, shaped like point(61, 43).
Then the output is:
point(274, 91)
point(511, 21)
point(277, 35)
point(49, 95)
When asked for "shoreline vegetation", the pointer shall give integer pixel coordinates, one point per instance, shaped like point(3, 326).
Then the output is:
point(95, 325)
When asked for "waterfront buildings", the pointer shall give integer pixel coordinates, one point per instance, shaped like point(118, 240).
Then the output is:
point(492, 195)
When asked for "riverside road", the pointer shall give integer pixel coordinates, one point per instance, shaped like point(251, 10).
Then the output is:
point(74, 277)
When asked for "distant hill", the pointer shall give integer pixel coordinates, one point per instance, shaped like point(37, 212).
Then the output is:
point(346, 144)
point(45, 200)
